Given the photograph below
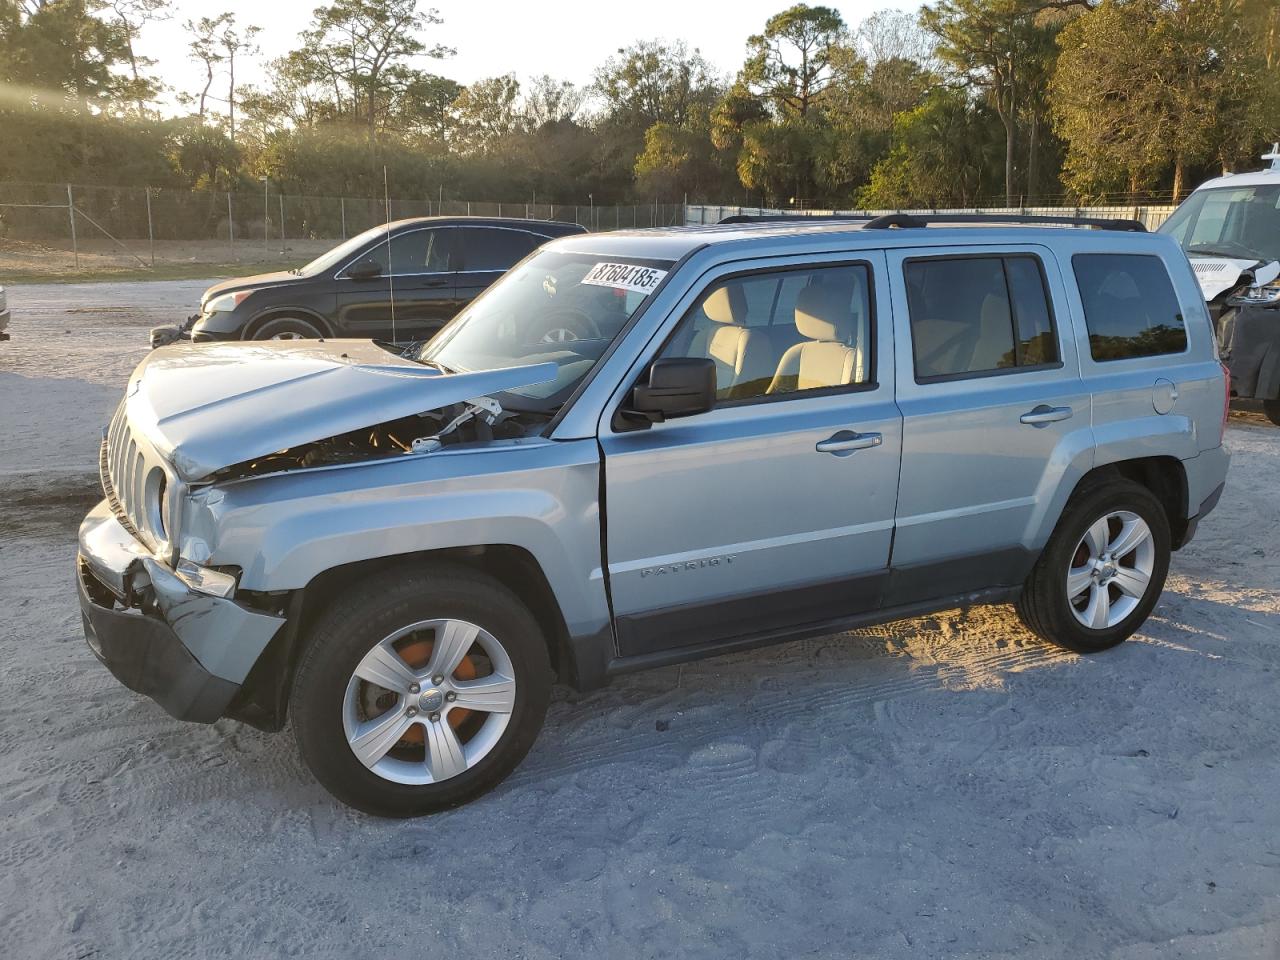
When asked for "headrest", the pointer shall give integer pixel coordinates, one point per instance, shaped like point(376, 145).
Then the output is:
point(726, 304)
point(823, 312)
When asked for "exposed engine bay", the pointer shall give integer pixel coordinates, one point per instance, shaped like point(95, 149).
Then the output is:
point(480, 420)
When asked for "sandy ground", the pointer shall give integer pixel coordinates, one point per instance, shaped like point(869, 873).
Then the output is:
point(940, 787)
point(55, 259)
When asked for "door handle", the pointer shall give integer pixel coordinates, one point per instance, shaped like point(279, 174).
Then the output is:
point(847, 441)
point(1043, 414)
point(436, 283)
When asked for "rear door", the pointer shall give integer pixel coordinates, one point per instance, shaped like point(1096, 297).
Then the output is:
point(994, 411)
point(486, 253)
point(416, 293)
point(774, 510)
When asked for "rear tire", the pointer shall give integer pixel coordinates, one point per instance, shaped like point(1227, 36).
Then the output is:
point(400, 772)
point(287, 328)
point(1111, 543)
point(1272, 410)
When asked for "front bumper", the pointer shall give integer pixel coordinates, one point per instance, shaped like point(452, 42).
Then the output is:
point(1250, 339)
point(4, 324)
point(187, 651)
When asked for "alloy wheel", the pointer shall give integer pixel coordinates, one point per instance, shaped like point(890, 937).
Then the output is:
point(1111, 570)
point(429, 701)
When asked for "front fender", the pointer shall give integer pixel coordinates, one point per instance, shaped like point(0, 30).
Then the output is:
point(542, 496)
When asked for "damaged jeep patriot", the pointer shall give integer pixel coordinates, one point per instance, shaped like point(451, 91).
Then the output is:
point(640, 448)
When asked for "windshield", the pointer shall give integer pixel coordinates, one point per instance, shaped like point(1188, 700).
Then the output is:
point(343, 251)
point(1238, 222)
point(565, 308)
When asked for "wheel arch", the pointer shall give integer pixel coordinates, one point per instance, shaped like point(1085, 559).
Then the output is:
point(263, 701)
point(1165, 476)
point(250, 329)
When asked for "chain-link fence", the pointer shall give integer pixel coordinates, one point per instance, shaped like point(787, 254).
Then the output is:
point(1150, 216)
point(69, 228)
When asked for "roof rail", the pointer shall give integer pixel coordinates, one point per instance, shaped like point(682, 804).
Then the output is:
point(784, 217)
point(909, 221)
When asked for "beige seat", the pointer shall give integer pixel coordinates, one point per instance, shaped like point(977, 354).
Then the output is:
point(994, 348)
point(827, 357)
point(742, 356)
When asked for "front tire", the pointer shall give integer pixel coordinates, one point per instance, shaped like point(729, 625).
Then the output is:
point(419, 691)
point(1272, 409)
point(287, 328)
point(1102, 570)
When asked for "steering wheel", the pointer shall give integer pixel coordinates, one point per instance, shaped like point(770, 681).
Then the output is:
point(564, 326)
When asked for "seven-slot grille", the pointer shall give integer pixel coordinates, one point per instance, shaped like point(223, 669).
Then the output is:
point(134, 482)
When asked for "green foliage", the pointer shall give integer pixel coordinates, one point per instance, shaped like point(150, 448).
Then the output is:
point(1143, 85)
point(972, 98)
point(791, 63)
point(946, 154)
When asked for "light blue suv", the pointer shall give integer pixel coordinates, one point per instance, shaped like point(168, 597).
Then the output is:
point(641, 448)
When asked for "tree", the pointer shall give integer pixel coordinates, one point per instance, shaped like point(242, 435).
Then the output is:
point(234, 42)
point(61, 54)
point(1145, 85)
point(486, 111)
point(551, 101)
point(789, 65)
point(946, 153)
point(995, 46)
point(356, 56)
point(652, 82)
point(206, 48)
point(132, 16)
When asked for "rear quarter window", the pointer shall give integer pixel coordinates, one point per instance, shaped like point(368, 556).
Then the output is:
point(1130, 307)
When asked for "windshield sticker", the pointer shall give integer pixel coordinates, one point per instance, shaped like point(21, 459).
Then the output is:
point(624, 276)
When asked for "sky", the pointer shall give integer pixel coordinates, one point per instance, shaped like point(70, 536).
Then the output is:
point(565, 38)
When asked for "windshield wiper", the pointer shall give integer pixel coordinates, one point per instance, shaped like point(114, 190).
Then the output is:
point(1211, 250)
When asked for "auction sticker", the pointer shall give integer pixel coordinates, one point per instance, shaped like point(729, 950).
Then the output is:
point(624, 276)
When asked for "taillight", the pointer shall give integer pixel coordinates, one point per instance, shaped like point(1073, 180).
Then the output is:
point(1226, 398)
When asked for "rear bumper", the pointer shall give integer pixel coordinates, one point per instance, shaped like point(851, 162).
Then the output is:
point(187, 651)
point(1205, 507)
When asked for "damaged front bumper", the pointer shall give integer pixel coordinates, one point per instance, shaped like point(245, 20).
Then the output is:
point(163, 336)
point(1250, 343)
point(185, 650)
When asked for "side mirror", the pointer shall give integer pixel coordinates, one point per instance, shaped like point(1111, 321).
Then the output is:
point(677, 387)
point(366, 269)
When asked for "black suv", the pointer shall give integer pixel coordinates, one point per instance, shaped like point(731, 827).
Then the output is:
point(434, 266)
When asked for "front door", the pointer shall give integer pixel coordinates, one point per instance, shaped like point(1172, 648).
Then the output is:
point(994, 412)
point(413, 297)
point(774, 510)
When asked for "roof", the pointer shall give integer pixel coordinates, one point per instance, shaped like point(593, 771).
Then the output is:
point(672, 243)
point(1257, 178)
point(549, 227)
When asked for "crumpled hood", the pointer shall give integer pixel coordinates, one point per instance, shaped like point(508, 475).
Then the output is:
point(1217, 275)
point(209, 406)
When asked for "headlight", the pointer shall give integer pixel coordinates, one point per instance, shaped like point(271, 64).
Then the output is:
point(210, 580)
point(227, 302)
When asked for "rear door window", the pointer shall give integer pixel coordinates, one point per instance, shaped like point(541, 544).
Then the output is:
point(1130, 307)
point(972, 316)
point(495, 248)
